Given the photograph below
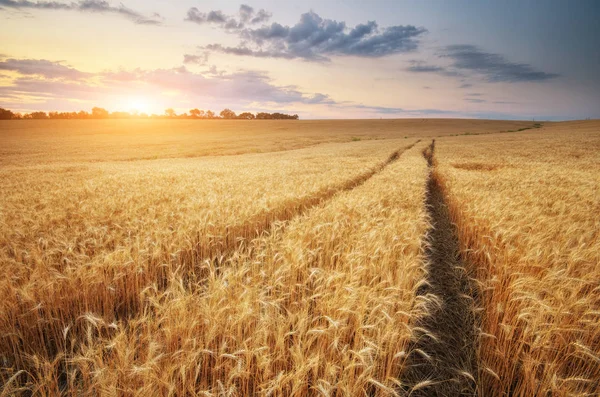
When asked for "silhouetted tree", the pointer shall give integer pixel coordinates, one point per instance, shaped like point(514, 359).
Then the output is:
point(196, 113)
point(246, 116)
point(228, 114)
point(263, 116)
point(6, 114)
point(99, 113)
point(39, 115)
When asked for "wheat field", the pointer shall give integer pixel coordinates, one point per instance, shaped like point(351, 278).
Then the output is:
point(527, 209)
point(285, 258)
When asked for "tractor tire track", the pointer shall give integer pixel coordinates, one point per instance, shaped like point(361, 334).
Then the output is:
point(442, 356)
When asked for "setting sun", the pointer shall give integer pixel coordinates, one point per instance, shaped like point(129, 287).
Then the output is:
point(136, 104)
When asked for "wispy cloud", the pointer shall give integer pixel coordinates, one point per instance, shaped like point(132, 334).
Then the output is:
point(471, 61)
point(312, 38)
point(475, 100)
point(41, 67)
point(424, 67)
point(494, 67)
point(51, 81)
point(195, 59)
point(95, 6)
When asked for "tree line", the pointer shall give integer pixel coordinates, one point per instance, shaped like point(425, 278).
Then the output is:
point(100, 113)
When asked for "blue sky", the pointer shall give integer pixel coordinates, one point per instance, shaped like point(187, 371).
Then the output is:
point(333, 59)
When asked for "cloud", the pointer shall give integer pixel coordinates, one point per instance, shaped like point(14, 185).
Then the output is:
point(494, 67)
point(44, 85)
point(51, 82)
point(475, 100)
point(245, 51)
point(41, 67)
point(246, 16)
point(195, 59)
point(312, 38)
point(96, 6)
point(469, 61)
point(423, 67)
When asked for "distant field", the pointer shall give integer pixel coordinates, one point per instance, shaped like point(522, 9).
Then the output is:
point(51, 141)
point(280, 258)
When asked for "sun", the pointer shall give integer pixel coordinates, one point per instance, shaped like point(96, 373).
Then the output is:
point(137, 105)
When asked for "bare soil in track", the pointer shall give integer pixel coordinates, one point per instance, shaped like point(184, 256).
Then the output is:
point(442, 358)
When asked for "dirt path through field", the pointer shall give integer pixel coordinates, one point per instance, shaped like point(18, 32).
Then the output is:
point(442, 357)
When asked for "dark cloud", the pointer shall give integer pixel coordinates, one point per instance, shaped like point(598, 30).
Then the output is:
point(246, 16)
point(465, 85)
point(494, 67)
point(97, 6)
point(41, 67)
point(467, 60)
point(474, 94)
point(312, 38)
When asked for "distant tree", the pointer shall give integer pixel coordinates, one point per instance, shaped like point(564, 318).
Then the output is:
point(39, 115)
point(196, 113)
point(6, 114)
point(99, 113)
point(120, 115)
point(246, 116)
point(263, 116)
point(228, 114)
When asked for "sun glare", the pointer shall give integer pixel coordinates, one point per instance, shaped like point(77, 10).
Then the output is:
point(137, 105)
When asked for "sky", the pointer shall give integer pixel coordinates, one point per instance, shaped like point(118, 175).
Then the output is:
point(319, 59)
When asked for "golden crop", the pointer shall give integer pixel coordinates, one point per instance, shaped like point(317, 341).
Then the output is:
point(527, 208)
point(283, 258)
